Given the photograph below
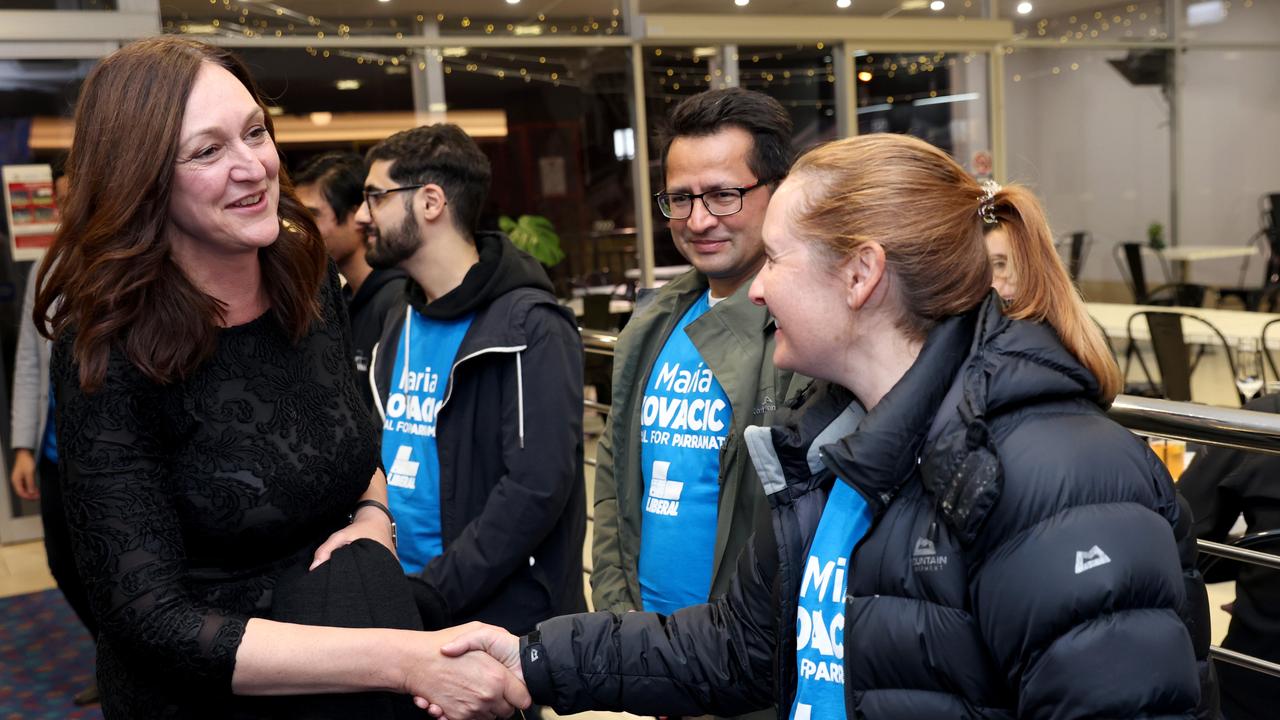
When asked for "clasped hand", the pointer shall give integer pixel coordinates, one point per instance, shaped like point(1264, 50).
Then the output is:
point(476, 675)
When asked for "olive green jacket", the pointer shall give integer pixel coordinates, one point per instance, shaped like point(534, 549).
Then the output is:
point(735, 338)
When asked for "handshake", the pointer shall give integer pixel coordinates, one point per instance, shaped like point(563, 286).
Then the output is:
point(472, 671)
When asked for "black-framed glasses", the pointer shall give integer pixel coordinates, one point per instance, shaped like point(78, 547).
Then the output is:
point(371, 195)
point(718, 202)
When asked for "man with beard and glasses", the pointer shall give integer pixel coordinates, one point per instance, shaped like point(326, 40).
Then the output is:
point(478, 380)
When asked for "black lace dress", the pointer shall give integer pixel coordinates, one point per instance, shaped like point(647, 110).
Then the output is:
point(187, 500)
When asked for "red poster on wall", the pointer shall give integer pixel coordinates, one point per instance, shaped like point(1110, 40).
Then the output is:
point(31, 208)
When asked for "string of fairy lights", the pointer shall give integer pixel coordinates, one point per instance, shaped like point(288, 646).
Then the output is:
point(674, 75)
point(232, 18)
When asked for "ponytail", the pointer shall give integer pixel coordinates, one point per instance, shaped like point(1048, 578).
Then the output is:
point(1045, 292)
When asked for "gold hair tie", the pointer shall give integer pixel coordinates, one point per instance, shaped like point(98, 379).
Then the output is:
point(987, 201)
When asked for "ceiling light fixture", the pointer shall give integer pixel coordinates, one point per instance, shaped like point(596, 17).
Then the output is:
point(513, 2)
point(741, 3)
point(1024, 8)
point(842, 4)
point(865, 76)
point(937, 5)
point(347, 84)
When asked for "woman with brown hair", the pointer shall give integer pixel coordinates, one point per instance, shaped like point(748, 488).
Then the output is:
point(220, 470)
point(957, 530)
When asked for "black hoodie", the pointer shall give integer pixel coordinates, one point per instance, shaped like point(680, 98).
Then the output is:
point(509, 439)
point(380, 295)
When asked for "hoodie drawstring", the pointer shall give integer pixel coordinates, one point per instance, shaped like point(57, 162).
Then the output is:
point(520, 396)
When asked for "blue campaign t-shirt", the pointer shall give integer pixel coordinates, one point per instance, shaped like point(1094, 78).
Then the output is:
point(424, 359)
point(684, 419)
point(50, 444)
point(820, 618)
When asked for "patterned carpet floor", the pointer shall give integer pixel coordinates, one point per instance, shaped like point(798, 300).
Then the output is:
point(46, 657)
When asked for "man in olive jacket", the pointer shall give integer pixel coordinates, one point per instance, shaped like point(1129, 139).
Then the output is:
point(676, 494)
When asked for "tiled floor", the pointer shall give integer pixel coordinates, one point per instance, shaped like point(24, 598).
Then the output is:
point(23, 570)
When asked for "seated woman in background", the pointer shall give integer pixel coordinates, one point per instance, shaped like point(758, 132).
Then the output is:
point(1003, 277)
point(213, 444)
point(957, 528)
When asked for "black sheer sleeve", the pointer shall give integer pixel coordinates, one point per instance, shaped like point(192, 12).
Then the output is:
point(126, 533)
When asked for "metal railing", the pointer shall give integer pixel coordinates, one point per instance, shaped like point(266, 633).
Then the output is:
point(1226, 427)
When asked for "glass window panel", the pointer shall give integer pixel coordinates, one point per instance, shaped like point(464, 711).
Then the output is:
point(1104, 172)
point(802, 78)
point(568, 148)
point(554, 122)
point(1074, 21)
point(1230, 21)
point(937, 96)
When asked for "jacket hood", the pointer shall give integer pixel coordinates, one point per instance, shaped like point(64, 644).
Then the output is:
point(1023, 361)
point(502, 268)
point(376, 280)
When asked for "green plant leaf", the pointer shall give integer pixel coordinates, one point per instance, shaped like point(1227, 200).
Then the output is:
point(535, 235)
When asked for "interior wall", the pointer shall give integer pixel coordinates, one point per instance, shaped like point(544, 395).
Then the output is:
point(1096, 148)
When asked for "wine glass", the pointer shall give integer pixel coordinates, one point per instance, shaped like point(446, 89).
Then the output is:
point(1248, 368)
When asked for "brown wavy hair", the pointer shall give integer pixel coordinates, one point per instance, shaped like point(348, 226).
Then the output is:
point(922, 208)
point(109, 274)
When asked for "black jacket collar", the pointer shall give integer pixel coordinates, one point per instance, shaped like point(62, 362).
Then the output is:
point(881, 456)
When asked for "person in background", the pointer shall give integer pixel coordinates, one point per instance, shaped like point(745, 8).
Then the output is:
point(957, 529)
point(331, 186)
point(35, 448)
point(676, 495)
point(1221, 484)
point(478, 379)
point(1004, 277)
point(220, 477)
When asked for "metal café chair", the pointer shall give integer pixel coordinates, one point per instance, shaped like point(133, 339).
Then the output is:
point(1251, 296)
point(1266, 348)
point(1128, 258)
point(1173, 357)
point(1076, 247)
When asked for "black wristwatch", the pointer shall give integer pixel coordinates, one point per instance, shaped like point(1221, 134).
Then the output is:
point(374, 503)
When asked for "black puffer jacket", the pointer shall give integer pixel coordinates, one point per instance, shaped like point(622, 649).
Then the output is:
point(1054, 585)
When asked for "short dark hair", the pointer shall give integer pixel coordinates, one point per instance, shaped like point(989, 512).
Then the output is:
point(709, 112)
point(444, 155)
point(340, 176)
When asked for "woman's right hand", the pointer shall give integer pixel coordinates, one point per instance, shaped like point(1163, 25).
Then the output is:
point(466, 685)
point(24, 474)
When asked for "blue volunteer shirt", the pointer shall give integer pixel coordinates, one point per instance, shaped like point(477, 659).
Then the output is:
point(50, 444)
point(424, 359)
point(684, 419)
point(820, 618)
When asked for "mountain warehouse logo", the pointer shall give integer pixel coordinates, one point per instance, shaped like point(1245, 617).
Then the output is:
point(664, 494)
point(403, 472)
point(1090, 559)
point(925, 557)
